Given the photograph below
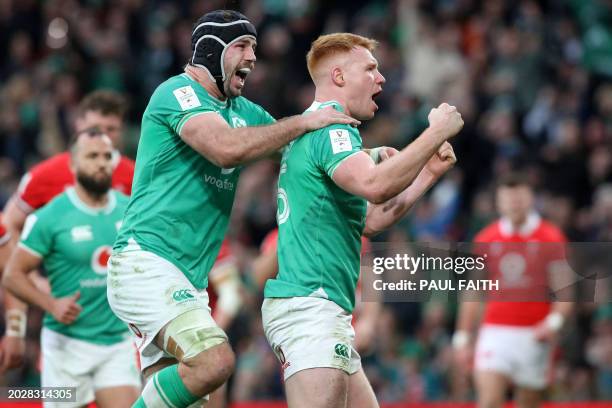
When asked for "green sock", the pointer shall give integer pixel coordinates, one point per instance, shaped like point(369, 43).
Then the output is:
point(166, 389)
point(139, 403)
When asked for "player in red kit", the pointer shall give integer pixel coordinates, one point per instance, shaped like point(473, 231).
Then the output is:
point(103, 110)
point(100, 111)
point(516, 336)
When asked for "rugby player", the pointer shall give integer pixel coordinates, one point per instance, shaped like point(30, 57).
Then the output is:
point(196, 131)
point(325, 183)
point(99, 110)
point(83, 344)
point(516, 339)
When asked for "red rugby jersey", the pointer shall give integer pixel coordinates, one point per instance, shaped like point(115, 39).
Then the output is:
point(50, 177)
point(521, 266)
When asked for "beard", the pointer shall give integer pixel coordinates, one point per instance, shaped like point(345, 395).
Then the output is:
point(228, 89)
point(234, 93)
point(96, 186)
point(229, 92)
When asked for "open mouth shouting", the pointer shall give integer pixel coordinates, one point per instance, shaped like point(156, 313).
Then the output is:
point(374, 96)
point(241, 75)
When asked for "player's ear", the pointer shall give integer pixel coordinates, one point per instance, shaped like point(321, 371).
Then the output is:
point(337, 76)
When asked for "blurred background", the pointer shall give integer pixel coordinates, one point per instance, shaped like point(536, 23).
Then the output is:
point(532, 80)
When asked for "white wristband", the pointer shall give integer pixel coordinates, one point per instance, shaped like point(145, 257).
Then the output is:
point(16, 322)
point(460, 339)
point(230, 298)
point(554, 321)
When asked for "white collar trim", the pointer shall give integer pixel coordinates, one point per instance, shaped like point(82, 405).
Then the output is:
point(81, 206)
point(529, 226)
point(316, 105)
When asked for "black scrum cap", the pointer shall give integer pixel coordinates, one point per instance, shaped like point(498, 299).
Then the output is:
point(214, 32)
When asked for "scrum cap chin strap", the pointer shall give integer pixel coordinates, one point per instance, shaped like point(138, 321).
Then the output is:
point(214, 32)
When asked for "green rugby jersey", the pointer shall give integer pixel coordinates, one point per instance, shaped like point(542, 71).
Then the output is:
point(74, 242)
point(320, 224)
point(181, 202)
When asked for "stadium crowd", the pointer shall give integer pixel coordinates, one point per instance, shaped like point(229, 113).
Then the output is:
point(532, 80)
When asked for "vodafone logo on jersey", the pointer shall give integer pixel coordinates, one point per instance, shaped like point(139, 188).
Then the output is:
point(99, 259)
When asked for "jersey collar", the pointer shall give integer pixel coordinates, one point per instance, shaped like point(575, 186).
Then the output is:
point(81, 206)
point(318, 105)
point(529, 226)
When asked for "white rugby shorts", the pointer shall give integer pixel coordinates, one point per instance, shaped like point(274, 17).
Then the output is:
point(89, 367)
point(147, 292)
point(514, 352)
point(310, 332)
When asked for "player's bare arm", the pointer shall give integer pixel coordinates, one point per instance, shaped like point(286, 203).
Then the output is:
point(549, 328)
point(463, 338)
point(265, 267)
point(13, 342)
point(382, 216)
point(225, 280)
point(562, 282)
point(224, 146)
point(378, 183)
point(12, 348)
point(14, 217)
point(16, 281)
point(365, 326)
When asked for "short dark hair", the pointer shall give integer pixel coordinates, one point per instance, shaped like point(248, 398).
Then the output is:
point(514, 179)
point(104, 101)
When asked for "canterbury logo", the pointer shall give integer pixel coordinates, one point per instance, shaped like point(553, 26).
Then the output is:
point(183, 294)
point(341, 350)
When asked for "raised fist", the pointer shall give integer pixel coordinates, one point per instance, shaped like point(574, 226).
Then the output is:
point(447, 119)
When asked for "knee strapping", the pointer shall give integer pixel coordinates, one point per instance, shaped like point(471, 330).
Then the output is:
point(191, 333)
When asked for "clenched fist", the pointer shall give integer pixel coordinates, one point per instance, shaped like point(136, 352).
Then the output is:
point(66, 310)
point(441, 161)
point(446, 118)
